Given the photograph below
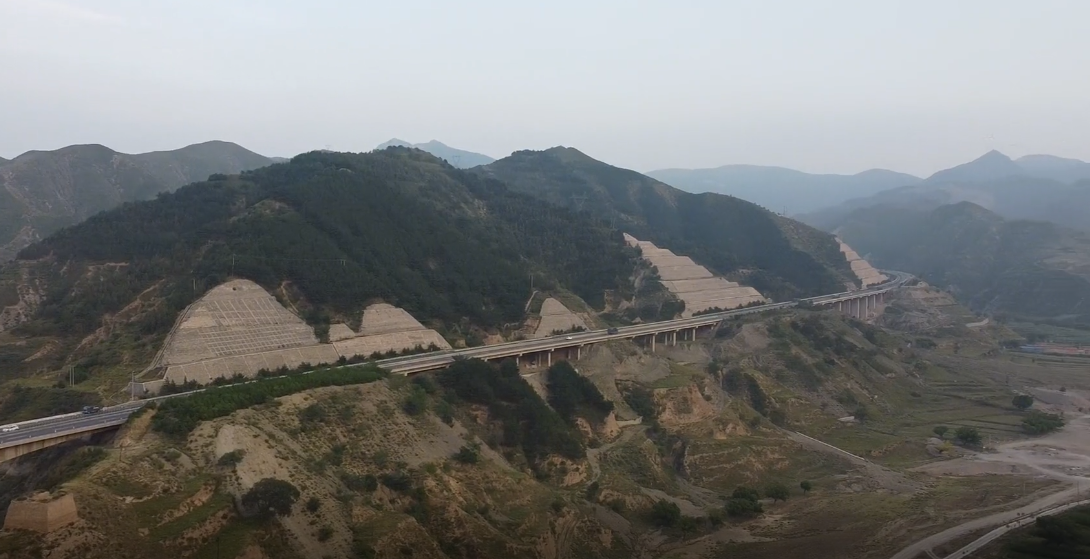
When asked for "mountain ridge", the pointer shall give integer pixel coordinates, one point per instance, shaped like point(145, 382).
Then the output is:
point(43, 191)
point(779, 188)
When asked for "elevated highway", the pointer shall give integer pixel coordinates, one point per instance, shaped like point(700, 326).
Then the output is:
point(41, 433)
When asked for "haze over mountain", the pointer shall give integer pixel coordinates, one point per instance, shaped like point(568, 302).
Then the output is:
point(1030, 269)
point(780, 257)
point(459, 158)
point(43, 191)
point(1038, 187)
point(779, 189)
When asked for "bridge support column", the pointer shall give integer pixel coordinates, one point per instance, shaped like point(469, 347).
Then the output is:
point(673, 338)
point(653, 336)
point(578, 352)
point(693, 339)
point(549, 358)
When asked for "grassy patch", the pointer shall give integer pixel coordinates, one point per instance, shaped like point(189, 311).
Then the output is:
point(175, 528)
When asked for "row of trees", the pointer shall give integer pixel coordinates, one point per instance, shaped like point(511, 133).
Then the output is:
point(179, 416)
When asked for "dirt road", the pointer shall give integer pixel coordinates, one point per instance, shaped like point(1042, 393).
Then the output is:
point(1064, 456)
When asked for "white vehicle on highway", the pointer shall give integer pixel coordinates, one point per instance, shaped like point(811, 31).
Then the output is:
point(568, 338)
point(9, 428)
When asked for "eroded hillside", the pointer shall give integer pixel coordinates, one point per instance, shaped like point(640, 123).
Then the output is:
point(643, 460)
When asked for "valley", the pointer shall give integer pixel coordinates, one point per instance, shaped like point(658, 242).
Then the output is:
point(543, 382)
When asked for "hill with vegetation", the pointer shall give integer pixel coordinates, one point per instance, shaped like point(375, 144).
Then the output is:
point(459, 158)
point(781, 258)
point(1031, 269)
point(327, 233)
point(43, 191)
point(779, 189)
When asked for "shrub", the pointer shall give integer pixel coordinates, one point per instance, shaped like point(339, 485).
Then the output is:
point(806, 486)
point(968, 436)
point(313, 504)
point(665, 513)
point(940, 431)
point(1039, 423)
point(417, 401)
point(324, 533)
point(1022, 401)
point(467, 455)
point(231, 458)
point(270, 497)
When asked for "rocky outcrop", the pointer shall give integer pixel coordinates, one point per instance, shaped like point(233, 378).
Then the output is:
point(693, 283)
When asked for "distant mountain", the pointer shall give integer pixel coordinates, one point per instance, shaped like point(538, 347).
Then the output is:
point(990, 166)
point(1055, 168)
point(780, 257)
point(777, 188)
point(2, 160)
point(43, 191)
point(1038, 187)
point(457, 157)
point(1031, 269)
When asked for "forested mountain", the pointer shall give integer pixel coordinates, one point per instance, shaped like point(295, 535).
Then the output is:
point(780, 257)
point(1036, 187)
point(331, 233)
point(1032, 269)
point(42, 191)
point(459, 158)
point(777, 188)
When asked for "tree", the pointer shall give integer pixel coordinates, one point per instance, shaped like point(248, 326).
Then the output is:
point(744, 502)
point(1022, 401)
point(806, 486)
point(777, 492)
point(968, 436)
point(665, 513)
point(743, 507)
point(270, 497)
point(940, 431)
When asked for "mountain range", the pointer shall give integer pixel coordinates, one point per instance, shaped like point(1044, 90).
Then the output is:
point(780, 189)
point(459, 158)
point(1037, 187)
point(43, 191)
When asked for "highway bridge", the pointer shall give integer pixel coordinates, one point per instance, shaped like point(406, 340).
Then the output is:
point(33, 435)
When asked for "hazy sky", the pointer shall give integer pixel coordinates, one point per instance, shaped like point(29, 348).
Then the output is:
point(821, 86)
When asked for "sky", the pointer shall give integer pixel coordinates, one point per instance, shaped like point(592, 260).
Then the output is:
point(835, 86)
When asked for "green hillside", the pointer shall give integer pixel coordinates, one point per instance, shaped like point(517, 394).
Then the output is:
point(1031, 269)
point(331, 233)
point(780, 257)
